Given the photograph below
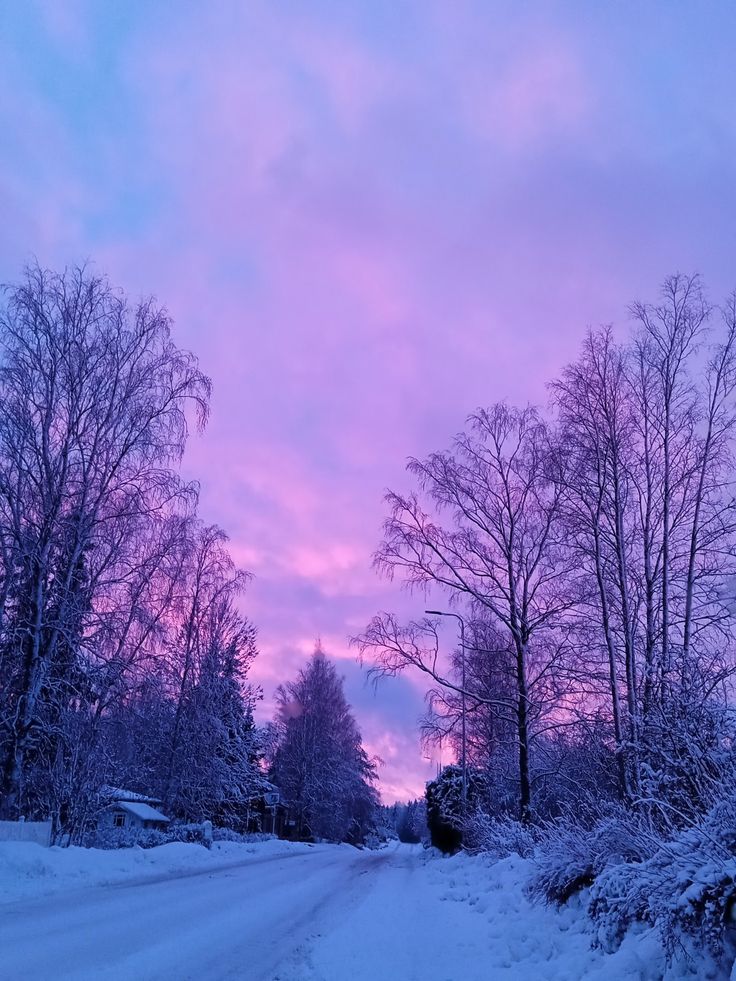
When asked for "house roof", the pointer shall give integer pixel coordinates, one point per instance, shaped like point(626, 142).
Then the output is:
point(143, 811)
point(120, 794)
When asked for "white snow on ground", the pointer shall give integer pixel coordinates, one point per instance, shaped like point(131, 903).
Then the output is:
point(284, 912)
point(28, 870)
point(466, 919)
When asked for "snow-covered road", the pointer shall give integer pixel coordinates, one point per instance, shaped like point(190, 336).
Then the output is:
point(241, 921)
point(321, 913)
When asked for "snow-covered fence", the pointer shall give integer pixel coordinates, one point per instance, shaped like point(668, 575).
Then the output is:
point(38, 831)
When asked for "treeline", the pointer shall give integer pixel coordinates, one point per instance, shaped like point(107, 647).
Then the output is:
point(123, 658)
point(590, 549)
point(405, 821)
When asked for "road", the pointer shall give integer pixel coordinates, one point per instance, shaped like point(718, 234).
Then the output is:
point(260, 919)
point(325, 913)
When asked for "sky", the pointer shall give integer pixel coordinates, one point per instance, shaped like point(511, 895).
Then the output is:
point(367, 218)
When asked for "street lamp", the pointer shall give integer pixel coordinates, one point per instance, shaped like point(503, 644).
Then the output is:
point(440, 613)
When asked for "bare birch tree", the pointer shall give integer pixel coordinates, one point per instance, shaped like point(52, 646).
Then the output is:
point(498, 548)
point(596, 444)
point(95, 399)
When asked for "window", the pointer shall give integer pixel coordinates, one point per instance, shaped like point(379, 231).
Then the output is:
point(118, 820)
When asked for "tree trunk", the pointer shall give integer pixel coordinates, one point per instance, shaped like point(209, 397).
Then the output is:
point(613, 673)
point(522, 718)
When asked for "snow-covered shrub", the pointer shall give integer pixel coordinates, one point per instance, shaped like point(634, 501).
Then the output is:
point(500, 836)
point(574, 775)
point(373, 841)
point(125, 838)
point(444, 810)
point(386, 833)
point(145, 837)
point(444, 805)
point(228, 834)
point(688, 759)
point(185, 832)
point(571, 857)
point(687, 888)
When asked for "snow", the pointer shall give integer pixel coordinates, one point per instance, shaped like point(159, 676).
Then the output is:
point(143, 811)
point(28, 870)
point(119, 793)
point(468, 918)
point(280, 911)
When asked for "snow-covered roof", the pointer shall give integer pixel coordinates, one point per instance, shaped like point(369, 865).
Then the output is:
point(143, 811)
point(119, 793)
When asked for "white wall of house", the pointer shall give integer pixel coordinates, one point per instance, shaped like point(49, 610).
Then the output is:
point(119, 817)
point(116, 817)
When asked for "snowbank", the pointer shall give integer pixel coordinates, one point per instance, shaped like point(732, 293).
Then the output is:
point(28, 870)
point(526, 939)
point(468, 917)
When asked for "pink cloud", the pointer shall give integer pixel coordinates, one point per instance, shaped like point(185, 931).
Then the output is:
point(541, 93)
point(403, 769)
point(363, 235)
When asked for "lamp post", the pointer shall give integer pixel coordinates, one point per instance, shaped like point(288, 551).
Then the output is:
point(440, 613)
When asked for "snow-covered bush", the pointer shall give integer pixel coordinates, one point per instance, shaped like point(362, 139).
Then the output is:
point(687, 888)
point(124, 838)
point(386, 832)
point(228, 834)
point(372, 841)
point(570, 857)
point(145, 837)
point(688, 760)
point(499, 836)
point(444, 805)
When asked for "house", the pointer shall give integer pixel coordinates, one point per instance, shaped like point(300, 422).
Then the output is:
point(271, 812)
point(126, 809)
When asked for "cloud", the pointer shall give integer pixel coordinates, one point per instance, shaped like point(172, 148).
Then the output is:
point(366, 220)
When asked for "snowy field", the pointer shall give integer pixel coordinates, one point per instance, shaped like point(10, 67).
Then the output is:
point(292, 912)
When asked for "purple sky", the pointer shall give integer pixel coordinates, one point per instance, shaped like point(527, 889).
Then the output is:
point(367, 219)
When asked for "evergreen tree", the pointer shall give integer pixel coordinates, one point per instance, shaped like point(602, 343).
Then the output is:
point(319, 763)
